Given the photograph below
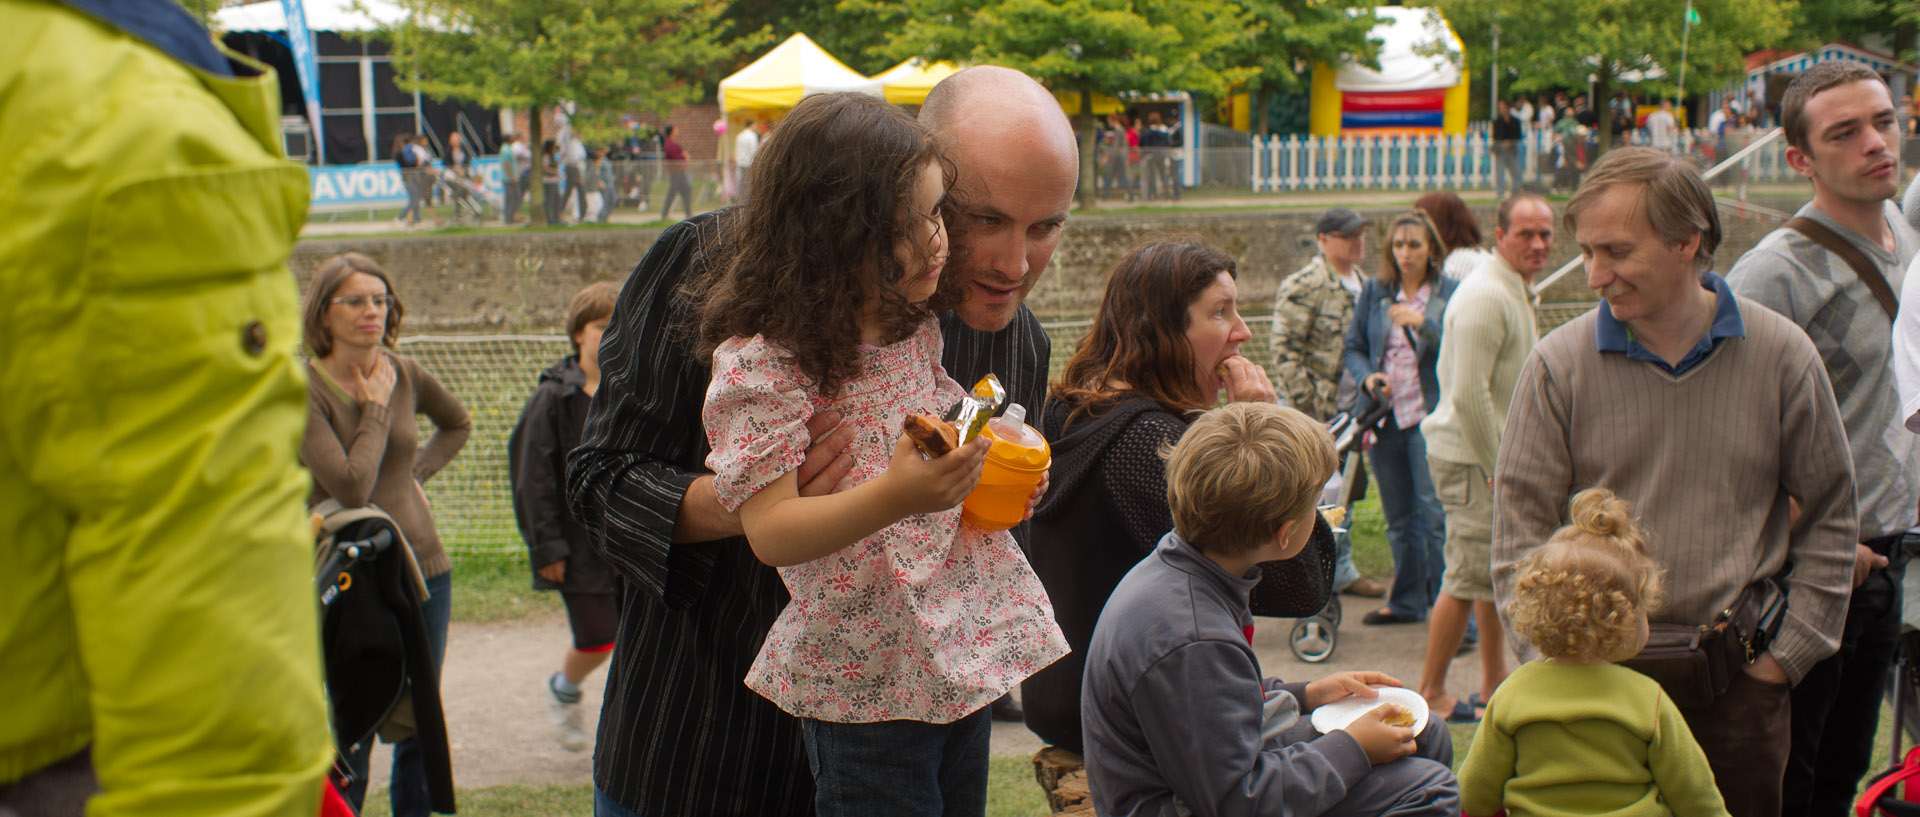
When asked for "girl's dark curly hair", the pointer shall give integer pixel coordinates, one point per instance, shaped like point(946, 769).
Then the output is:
point(816, 239)
point(1139, 334)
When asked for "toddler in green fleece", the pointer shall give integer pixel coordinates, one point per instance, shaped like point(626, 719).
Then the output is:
point(1574, 733)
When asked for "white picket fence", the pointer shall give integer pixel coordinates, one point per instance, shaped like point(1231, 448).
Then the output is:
point(1445, 161)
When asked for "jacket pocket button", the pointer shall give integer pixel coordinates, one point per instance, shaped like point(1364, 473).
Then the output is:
point(253, 338)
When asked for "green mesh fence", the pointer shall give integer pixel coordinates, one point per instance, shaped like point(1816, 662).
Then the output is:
point(494, 374)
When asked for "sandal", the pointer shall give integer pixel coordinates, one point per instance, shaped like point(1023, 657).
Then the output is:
point(1463, 712)
point(1386, 615)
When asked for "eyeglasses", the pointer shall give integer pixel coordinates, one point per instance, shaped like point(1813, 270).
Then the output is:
point(358, 301)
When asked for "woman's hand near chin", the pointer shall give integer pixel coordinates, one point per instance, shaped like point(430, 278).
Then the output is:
point(1247, 382)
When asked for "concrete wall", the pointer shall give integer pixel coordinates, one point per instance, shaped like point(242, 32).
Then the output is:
point(521, 283)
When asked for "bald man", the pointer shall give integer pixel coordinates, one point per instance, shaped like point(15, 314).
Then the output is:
point(679, 732)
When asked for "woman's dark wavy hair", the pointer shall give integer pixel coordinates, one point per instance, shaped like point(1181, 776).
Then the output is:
point(1139, 334)
point(816, 238)
point(1451, 218)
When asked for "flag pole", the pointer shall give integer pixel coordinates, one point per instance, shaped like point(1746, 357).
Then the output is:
point(1686, 28)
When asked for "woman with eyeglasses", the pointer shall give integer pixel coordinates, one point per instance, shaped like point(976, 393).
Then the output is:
point(364, 448)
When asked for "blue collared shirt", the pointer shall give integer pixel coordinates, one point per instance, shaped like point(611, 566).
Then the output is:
point(163, 25)
point(1610, 335)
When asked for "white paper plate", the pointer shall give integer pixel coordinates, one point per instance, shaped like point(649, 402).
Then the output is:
point(1338, 714)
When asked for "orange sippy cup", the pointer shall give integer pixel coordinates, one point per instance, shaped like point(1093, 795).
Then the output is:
point(1015, 464)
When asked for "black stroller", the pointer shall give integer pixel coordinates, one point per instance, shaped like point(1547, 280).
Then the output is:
point(380, 674)
point(1314, 637)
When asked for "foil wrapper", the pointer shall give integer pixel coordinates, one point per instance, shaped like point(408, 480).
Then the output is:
point(969, 415)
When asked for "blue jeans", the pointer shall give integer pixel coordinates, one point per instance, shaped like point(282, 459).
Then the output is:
point(407, 789)
point(899, 767)
point(418, 186)
point(1506, 165)
point(604, 806)
point(608, 194)
point(1416, 525)
point(1344, 573)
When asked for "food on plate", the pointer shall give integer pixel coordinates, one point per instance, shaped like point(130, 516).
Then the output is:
point(1399, 716)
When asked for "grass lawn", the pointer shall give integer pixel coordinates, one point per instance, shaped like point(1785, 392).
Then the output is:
point(491, 587)
point(495, 587)
point(1011, 792)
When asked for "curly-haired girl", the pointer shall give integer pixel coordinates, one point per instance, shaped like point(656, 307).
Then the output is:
point(905, 624)
point(1574, 733)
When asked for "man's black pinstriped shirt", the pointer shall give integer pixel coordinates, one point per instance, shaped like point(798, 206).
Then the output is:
point(680, 733)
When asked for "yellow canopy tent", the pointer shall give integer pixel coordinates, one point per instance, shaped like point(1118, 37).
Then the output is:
point(909, 82)
point(1102, 103)
point(792, 70)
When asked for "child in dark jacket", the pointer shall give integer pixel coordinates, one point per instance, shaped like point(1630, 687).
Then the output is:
point(557, 546)
point(1177, 718)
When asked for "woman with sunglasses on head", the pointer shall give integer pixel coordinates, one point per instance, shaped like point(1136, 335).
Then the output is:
point(363, 447)
point(1391, 349)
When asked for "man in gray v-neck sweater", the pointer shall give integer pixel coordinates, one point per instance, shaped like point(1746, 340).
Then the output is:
point(1713, 417)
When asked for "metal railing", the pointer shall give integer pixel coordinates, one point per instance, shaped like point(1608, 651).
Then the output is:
point(1737, 160)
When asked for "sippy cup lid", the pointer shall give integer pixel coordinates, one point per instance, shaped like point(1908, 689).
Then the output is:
point(1016, 444)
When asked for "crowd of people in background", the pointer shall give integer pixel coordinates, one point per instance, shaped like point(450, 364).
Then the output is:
point(1572, 133)
point(1134, 155)
point(1137, 155)
point(1688, 510)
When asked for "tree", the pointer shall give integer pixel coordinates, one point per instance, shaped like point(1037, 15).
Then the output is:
point(1289, 36)
point(1849, 20)
point(1081, 46)
point(856, 33)
point(603, 56)
point(1565, 43)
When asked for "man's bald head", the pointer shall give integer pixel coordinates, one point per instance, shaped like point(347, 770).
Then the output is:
point(1018, 166)
point(990, 91)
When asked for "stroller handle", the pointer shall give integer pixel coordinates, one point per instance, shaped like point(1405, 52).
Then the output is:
point(345, 555)
point(1346, 429)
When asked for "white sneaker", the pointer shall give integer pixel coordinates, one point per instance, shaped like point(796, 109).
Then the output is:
point(566, 722)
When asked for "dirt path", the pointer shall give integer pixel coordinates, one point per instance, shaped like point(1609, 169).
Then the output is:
point(495, 673)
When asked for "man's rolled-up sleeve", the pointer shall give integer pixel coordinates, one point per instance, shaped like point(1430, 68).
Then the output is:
point(643, 445)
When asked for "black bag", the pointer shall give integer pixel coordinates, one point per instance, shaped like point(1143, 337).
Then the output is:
point(1694, 664)
point(1300, 586)
point(374, 641)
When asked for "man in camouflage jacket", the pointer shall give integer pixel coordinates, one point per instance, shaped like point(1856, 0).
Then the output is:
point(1311, 315)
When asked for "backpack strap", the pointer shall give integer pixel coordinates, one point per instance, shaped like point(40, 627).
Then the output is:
point(1867, 271)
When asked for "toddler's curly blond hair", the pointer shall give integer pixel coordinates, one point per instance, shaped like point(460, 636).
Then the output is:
point(1579, 595)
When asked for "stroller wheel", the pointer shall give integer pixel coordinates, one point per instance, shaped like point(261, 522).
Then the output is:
point(1313, 640)
point(1332, 611)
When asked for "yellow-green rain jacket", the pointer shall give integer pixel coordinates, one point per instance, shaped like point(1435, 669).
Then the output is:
point(156, 598)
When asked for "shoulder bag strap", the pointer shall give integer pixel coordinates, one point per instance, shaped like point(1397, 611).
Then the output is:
point(1868, 272)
